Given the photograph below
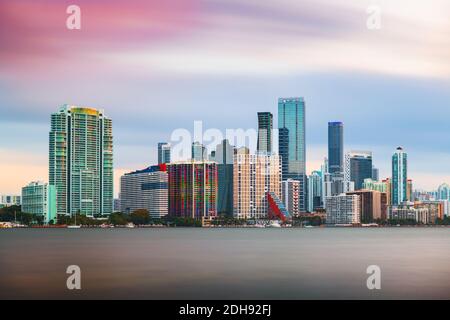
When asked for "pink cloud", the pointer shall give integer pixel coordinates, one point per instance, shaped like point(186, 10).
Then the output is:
point(34, 32)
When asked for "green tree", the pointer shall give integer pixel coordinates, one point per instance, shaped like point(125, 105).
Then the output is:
point(140, 217)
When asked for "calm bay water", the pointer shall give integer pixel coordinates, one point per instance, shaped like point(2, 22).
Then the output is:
point(190, 263)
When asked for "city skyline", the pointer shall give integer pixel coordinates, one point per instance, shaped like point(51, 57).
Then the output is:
point(385, 83)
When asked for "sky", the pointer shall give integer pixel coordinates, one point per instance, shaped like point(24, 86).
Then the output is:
point(157, 66)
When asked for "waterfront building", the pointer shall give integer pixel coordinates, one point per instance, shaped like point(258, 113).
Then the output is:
point(315, 192)
point(163, 152)
point(199, 152)
point(224, 158)
point(7, 200)
point(436, 209)
point(343, 209)
point(265, 128)
point(335, 147)
point(358, 166)
point(145, 189)
point(407, 211)
point(290, 190)
point(292, 144)
point(81, 161)
point(373, 205)
point(399, 177)
point(254, 177)
point(193, 189)
point(39, 199)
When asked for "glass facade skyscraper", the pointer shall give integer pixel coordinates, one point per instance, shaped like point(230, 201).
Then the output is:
point(335, 147)
point(292, 145)
point(224, 158)
point(358, 167)
point(81, 161)
point(265, 127)
point(399, 177)
point(198, 151)
point(163, 152)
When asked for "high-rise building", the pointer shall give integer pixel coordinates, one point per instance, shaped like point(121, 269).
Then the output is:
point(254, 177)
point(265, 127)
point(358, 166)
point(292, 145)
point(199, 152)
point(388, 183)
point(193, 189)
point(290, 196)
point(409, 190)
point(39, 199)
point(163, 152)
point(335, 147)
point(224, 158)
point(399, 177)
point(335, 184)
point(375, 174)
point(81, 161)
point(315, 192)
point(343, 209)
point(145, 189)
point(373, 205)
point(443, 192)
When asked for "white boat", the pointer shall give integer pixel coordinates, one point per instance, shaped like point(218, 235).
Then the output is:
point(130, 225)
point(274, 224)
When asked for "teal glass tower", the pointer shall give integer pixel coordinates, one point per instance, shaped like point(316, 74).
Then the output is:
point(399, 177)
point(265, 127)
point(292, 145)
point(81, 161)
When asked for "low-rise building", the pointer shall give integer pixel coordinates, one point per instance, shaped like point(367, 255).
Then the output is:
point(39, 199)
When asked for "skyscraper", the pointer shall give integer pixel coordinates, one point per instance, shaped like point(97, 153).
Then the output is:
point(335, 147)
point(254, 177)
point(193, 189)
point(265, 127)
point(358, 166)
point(292, 145)
point(315, 185)
point(163, 152)
point(375, 174)
point(224, 158)
point(198, 151)
point(81, 161)
point(399, 177)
